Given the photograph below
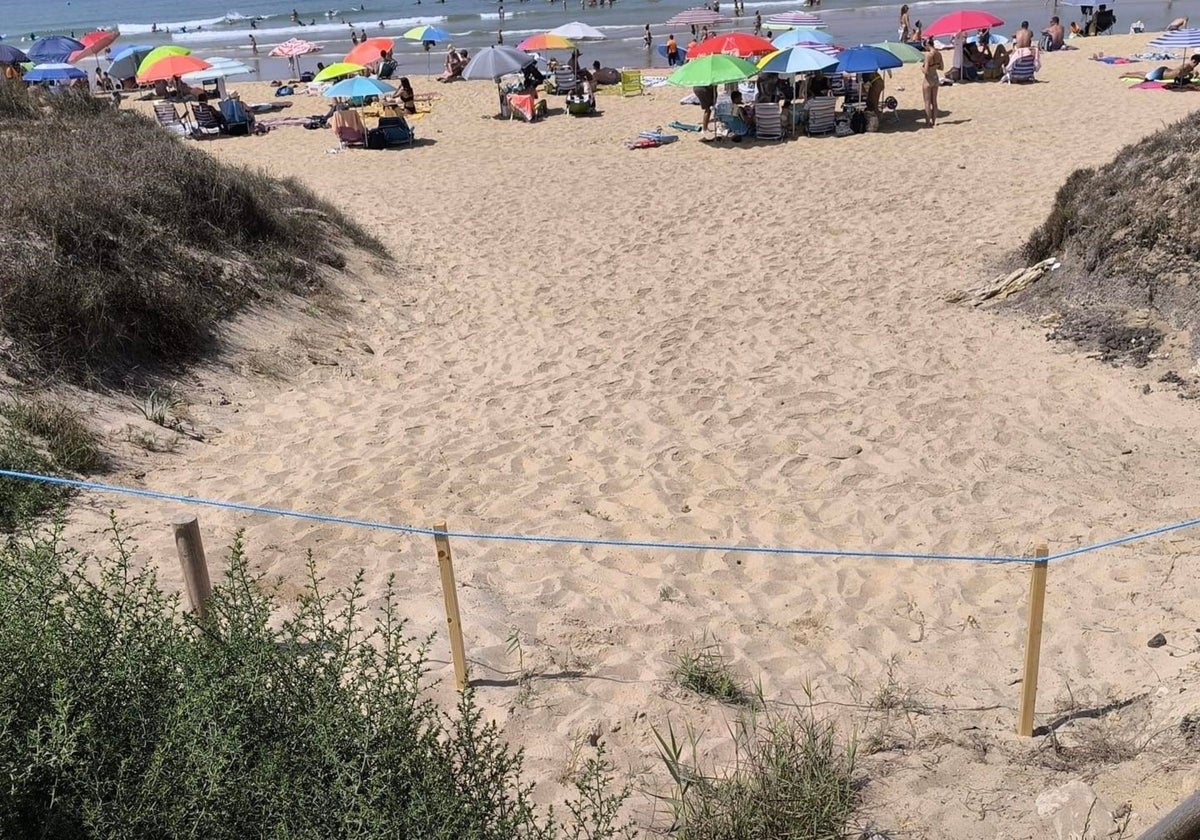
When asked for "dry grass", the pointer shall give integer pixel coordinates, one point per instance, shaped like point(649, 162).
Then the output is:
point(125, 247)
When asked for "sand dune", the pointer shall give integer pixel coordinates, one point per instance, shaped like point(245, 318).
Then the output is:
point(727, 344)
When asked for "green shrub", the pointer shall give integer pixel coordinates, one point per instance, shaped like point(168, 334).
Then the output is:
point(20, 500)
point(790, 779)
point(72, 444)
point(123, 717)
point(702, 668)
point(125, 246)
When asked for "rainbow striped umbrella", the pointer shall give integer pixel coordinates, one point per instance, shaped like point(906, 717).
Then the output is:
point(427, 33)
point(545, 43)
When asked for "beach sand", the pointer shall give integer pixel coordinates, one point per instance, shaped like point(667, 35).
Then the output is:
point(728, 344)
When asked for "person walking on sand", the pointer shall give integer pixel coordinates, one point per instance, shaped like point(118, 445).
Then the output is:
point(930, 82)
point(905, 28)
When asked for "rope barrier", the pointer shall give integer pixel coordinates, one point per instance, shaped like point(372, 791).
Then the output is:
point(238, 507)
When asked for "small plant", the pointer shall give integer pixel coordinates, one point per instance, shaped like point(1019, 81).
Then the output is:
point(790, 778)
point(667, 594)
point(73, 446)
point(22, 500)
point(891, 695)
point(514, 646)
point(159, 406)
point(150, 442)
point(702, 668)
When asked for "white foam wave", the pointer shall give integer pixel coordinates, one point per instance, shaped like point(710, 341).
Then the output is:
point(170, 26)
point(308, 33)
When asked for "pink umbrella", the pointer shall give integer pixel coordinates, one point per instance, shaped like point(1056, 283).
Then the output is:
point(293, 49)
point(796, 19)
point(94, 43)
point(957, 22)
point(697, 17)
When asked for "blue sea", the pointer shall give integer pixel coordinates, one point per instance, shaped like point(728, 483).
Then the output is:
point(212, 27)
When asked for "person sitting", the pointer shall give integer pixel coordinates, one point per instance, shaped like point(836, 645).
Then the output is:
point(452, 69)
point(1178, 23)
point(532, 77)
point(740, 111)
point(235, 113)
point(408, 99)
point(818, 85)
point(387, 64)
point(1053, 35)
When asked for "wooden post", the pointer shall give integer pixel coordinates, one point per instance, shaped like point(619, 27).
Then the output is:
point(191, 560)
point(458, 651)
point(1033, 640)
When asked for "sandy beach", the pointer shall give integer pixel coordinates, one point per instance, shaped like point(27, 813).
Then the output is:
point(728, 344)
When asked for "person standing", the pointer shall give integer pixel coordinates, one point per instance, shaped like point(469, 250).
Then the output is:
point(758, 23)
point(930, 81)
point(647, 38)
point(253, 45)
point(905, 28)
point(672, 51)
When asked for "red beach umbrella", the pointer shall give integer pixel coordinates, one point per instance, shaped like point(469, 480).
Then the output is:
point(738, 44)
point(172, 66)
point(367, 53)
point(957, 22)
point(94, 43)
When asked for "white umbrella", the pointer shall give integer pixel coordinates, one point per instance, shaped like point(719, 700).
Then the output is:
point(222, 68)
point(576, 31)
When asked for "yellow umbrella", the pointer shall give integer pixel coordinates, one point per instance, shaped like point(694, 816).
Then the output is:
point(336, 71)
point(545, 43)
point(158, 54)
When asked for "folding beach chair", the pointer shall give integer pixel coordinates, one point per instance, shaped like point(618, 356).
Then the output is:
point(208, 119)
point(565, 81)
point(768, 121)
point(396, 131)
point(1021, 70)
point(169, 119)
point(735, 127)
point(822, 115)
point(631, 83)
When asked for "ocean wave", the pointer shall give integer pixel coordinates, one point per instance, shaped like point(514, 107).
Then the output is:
point(172, 26)
point(507, 15)
point(309, 33)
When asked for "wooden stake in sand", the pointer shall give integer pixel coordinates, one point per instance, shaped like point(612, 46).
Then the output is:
point(458, 651)
point(192, 561)
point(1033, 640)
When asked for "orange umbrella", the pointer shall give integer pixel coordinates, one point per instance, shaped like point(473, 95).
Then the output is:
point(172, 66)
point(545, 43)
point(368, 51)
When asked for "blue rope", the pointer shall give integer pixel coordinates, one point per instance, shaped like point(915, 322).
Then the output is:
point(517, 538)
point(1130, 538)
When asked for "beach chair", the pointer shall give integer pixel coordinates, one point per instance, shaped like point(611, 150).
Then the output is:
point(207, 118)
point(822, 115)
point(169, 119)
point(396, 131)
point(735, 127)
point(565, 81)
point(631, 83)
point(768, 121)
point(1021, 70)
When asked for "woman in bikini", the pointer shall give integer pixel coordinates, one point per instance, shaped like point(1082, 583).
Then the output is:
point(929, 84)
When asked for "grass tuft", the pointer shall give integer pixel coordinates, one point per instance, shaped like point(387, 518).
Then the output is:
point(72, 445)
point(702, 668)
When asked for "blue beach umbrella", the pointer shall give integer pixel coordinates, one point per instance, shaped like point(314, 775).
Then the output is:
point(55, 73)
point(11, 55)
point(796, 60)
point(53, 50)
point(795, 37)
point(125, 62)
point(1180, 39)
point(358, 87)
point(864, 59)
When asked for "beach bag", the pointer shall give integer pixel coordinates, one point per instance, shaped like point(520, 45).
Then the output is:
point(841, 127)
point(376, 139)
point(284, 90)
point(858, 122)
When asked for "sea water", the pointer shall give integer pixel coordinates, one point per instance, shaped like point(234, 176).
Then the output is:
point(211, 27)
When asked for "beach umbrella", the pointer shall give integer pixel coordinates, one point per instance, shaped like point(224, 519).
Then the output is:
point(964, 21)
point(545, 43)
point(493, 62)
point(1180, 39)
point(125, 62)
point(697, 17)
point(907, 54)
point(791, 20)
point(159, 54)
point(577, 31)
point(796, 60)
point(367, 52)
point(54, 72)
point(427, 33)
point(11, 55)
point(53, 50)
point(336, 71)
point(713, 70)
point(94, 43)
point(801, 36)
point(357, 87)
point(170, 67)
point(221, 68)
point(741, 44)
point(294, 48)
point(864, 59)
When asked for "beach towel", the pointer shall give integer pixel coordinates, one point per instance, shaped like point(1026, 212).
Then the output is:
point(679, 126)
point(659, 136)
point(1112, 59)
